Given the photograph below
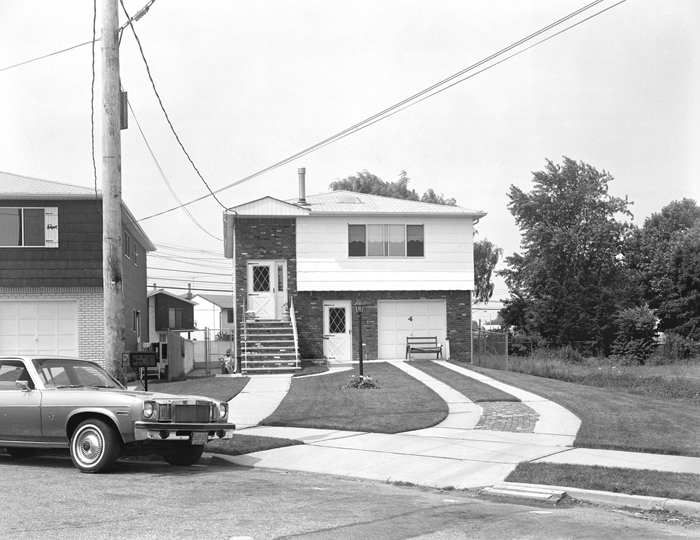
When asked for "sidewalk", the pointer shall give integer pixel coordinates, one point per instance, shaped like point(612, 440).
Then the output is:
point(450, 454)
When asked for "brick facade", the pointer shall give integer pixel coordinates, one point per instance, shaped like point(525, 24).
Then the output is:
point(309, 316)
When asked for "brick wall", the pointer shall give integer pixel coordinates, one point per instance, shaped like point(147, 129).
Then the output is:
point(91, 337)
point(263, 239)
point(309, 315)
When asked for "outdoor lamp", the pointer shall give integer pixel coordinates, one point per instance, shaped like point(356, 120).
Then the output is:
point(359, 308)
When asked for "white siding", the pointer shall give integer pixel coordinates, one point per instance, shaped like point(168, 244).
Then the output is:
point(323, 263)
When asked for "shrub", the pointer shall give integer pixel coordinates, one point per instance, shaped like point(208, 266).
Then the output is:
point(635, 335)
point(361, 381)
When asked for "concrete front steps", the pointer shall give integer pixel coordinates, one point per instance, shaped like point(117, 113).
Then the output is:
point(269, 346)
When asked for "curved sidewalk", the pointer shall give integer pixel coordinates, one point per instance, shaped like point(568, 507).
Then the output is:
point(450, 454)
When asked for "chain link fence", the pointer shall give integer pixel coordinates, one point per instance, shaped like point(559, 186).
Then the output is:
point(490, 349)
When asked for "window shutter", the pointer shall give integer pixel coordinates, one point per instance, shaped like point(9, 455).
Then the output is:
point(51, 224)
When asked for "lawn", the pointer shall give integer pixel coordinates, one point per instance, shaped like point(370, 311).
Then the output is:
point(221, 388)
point(475, 390)
point(617, 480)
point(615, 419)
point(401, 403)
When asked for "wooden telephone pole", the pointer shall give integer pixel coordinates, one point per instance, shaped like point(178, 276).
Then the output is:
point(112, 191)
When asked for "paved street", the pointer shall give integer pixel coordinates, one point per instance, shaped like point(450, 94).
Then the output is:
point(46, 498)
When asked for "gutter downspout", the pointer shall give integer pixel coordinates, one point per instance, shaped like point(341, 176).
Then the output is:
point(235, 295)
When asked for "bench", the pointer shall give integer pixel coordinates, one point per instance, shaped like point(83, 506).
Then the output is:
point(423, 345)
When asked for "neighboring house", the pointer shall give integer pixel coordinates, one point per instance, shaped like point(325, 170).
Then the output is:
point(51, 293)
point(213, 311)
point(168, 312)
point(410, 263)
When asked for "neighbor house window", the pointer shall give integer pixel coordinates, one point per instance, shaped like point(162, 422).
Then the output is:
point(229, 315)
point(385, 241)
point(175, 318)
point(127, 245)
point(28, 227)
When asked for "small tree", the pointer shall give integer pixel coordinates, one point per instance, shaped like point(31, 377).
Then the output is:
point(636, 329)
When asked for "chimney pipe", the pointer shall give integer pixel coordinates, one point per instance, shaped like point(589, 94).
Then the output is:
point(302, 185)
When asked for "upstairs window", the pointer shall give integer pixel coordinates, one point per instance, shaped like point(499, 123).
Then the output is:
point(175, 318)
point(28, 227)
point(385, 241)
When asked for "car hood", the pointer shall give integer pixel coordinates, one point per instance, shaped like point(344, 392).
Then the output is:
point(140, 394)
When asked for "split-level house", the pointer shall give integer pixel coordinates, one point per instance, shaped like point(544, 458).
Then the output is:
point(409, 263)
point(51, 292)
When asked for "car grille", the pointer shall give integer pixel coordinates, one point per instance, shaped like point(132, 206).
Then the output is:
point(184, 413)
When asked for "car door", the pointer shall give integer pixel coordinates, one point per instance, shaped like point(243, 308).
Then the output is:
point(21, 409)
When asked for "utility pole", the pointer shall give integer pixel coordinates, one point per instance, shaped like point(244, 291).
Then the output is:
point(112, 191)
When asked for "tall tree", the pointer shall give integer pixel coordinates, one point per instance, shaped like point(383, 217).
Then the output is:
point(486, 254)
point(664, 258)
point(565, 284)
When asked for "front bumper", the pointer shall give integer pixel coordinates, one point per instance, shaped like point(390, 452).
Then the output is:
point(168, 431)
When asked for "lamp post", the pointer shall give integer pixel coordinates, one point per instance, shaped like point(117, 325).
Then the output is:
point(359, 308)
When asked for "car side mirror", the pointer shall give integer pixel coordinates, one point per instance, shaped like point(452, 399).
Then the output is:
point(23, 385)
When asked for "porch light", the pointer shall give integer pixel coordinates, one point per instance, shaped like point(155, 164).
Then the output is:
point(359, 308)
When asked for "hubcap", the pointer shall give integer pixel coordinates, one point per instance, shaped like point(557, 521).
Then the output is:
point(89, 446)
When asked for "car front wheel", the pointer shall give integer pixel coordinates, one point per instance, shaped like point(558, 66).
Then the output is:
point(185, 456)
point(94, 447)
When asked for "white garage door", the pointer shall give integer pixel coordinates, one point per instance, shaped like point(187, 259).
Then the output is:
point(39, 327)
point(398, 319)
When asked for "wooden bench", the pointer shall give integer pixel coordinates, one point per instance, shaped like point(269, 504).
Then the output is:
point(423, 345)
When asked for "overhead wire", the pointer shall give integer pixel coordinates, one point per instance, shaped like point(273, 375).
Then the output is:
point(50, 54)
point(162, 107)
point(163, 177)
point(405, 103)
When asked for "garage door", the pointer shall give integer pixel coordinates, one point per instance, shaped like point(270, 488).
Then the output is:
point(398, 319)
point(39, 327)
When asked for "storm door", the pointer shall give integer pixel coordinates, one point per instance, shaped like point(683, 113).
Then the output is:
point(267, 288)
point(337, 331)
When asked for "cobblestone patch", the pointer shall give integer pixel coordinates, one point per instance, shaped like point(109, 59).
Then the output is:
point(507, 416)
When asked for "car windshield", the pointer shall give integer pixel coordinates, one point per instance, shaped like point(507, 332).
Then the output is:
point(67, 373)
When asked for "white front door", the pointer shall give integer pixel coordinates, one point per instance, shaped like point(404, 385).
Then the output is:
point(267, 288)
point(337, 331)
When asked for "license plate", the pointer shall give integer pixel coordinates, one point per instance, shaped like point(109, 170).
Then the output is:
point(200, 437)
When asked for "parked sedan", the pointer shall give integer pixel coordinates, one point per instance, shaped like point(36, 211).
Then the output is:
point(60, 402)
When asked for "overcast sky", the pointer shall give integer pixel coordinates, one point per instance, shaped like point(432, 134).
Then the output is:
point(248, 84)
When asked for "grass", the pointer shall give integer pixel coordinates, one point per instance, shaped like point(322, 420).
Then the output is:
point(401, 403)
point(221, 388)
point(680, 380)
point(615, 419)
point(617, 480)
point(247, 444)
point(475, 390)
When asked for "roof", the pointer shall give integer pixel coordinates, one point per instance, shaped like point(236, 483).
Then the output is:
point(154, 292)
point(17, 187)
point(224, 301)
point(338, 203)
point(14, 186)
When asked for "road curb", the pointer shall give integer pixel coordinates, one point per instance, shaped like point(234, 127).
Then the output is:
point(515, 489)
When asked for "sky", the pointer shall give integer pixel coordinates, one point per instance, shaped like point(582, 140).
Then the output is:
point(247, 84)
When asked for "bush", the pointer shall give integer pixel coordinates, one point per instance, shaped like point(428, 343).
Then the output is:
point(635, 335)
point(361, 381)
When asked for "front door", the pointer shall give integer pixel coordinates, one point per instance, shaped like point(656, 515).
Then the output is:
point(267, 288)
point(337, 331)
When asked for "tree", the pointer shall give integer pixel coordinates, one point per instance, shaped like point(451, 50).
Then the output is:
point(486, 254)
point(486, 257)
point(565, 284)
point(664, 260)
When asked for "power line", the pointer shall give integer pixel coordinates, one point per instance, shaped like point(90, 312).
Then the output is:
point(162, 107)
point(50, 54)
point(412, 100)
point(164, 178)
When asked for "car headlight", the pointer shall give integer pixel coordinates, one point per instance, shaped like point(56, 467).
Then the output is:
point(149, 409)
point(223, 411)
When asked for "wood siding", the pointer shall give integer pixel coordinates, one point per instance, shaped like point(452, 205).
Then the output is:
point(323, 263)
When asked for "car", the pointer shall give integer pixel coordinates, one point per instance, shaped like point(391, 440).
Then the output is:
point(62, 402)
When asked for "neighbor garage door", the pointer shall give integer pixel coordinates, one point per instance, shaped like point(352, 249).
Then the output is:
point(398, 319)
point(39, 327)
